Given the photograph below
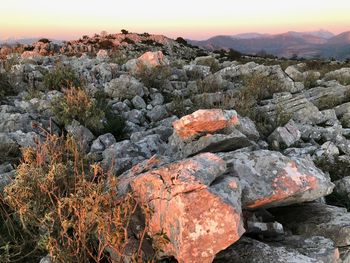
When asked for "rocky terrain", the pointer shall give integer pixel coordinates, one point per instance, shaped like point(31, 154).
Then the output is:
point(237, 162)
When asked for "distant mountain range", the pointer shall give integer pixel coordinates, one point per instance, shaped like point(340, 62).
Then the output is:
point(315, 44)
point(24, 41)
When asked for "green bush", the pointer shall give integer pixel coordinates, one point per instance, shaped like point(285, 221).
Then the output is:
point(62, 76)
point(153, 77)
point(310, 80)
point(5, 87)
point(128, 41)
point(106, 44)
point(210, 62)
point(76, 104)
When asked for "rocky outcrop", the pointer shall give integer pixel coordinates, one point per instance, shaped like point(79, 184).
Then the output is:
point(196, 221)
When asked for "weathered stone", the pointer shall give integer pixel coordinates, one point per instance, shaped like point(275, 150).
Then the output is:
point(204, 122)
point(197, 222)
point(81, 134)
point(124, 87)
point(316, 247)
point(285, 136)
point(102, 142)
point(158, 113)
point(311, 219)
point(248, 250)
point(212, 143)
point(138, 102)
point(270, 179)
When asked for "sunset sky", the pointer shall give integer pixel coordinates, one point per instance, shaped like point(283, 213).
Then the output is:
point(196, 19)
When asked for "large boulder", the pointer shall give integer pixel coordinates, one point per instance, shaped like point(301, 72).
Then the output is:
point(269, 179)
point(197, 222)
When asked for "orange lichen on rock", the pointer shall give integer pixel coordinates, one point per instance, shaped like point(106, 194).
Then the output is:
point(197, 223)
point(288, 183)
point(203, 121)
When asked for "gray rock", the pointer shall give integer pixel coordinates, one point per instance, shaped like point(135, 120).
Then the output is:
point(157, 99)
point(311, 219)
point(248, 128)
point(210, 143)
point(296, 107)
point(342, 187)
point(102, 142)
point(124, 87)
point(285, 136)
point(9, 149)
point(138, 102)
point(158, 113)
point(248, 250)
point(7, 173)
point(269, 179)
point(317, 247)
point(81, 134)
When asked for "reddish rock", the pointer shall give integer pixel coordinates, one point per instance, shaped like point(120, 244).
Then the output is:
point(204, 122)
point(30, 54)
point(153, 59)
point(270, 179)
point(196, 222)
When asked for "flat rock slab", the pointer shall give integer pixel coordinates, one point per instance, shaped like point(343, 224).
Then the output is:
point(311, 219)
point(215, 143)
point(248, 250)
point(269, 179)
point(196, 221)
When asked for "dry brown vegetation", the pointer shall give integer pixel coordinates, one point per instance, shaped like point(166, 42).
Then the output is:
point(64, 204)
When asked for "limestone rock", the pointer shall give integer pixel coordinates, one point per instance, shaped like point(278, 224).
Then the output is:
point(204, 122)
point(270, 179)
point(310, 219)
point(197, 222)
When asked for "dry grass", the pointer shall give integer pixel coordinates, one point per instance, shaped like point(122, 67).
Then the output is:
point(68, 206)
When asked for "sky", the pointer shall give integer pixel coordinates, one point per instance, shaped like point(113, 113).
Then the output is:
point(194, 19)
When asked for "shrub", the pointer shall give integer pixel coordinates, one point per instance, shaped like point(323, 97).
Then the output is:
point(6, 88)
point(256, 88)
point(154, 77)
point(260, 87)
point(112, 122)
point(210, 62)
point(234, 54)
point(210, 84)
point(182, 41)
point(106, 44)
point(68, 204)
point(76, 104)
point(44, 40)
point(328, 102)
point(124, 32)
point(128, 41)
point(310, 80)
point(62, 76)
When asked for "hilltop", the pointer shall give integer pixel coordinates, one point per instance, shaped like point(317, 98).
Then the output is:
point(140, 148)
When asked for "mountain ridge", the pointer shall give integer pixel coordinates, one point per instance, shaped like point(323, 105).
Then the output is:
point(314, 44)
